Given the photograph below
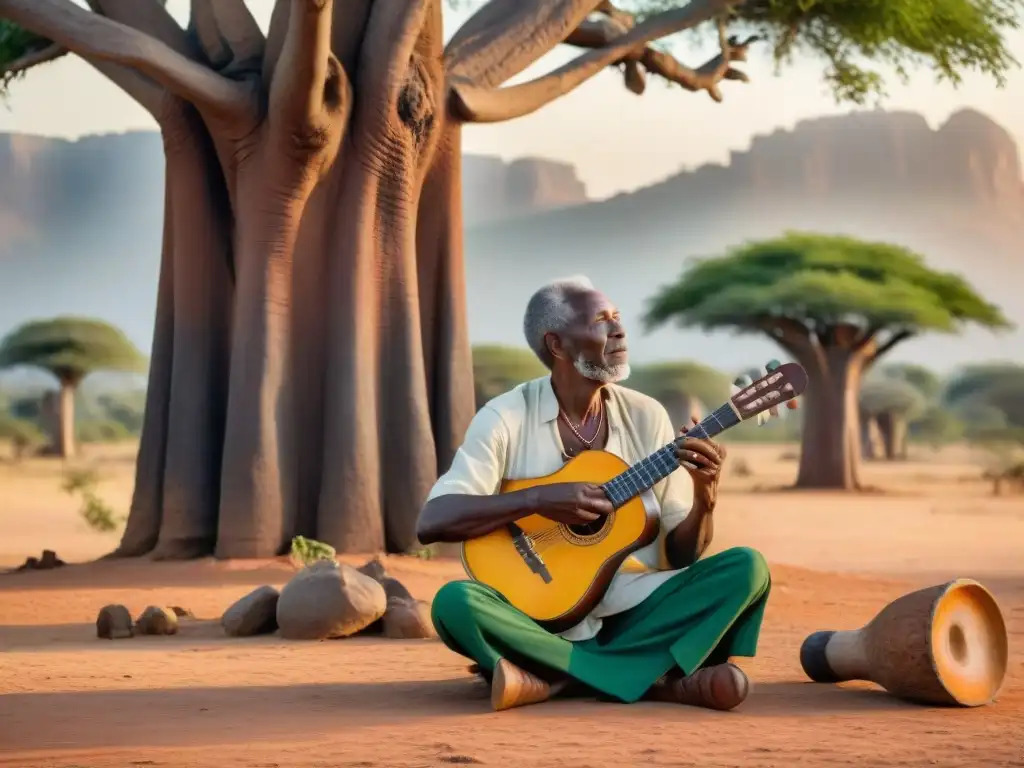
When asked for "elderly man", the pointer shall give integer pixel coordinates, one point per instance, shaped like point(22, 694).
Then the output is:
point(669, 623)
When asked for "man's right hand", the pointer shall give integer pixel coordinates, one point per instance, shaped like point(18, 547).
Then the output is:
point(571, 503)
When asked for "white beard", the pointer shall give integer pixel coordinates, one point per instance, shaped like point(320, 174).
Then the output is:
point(605, 374)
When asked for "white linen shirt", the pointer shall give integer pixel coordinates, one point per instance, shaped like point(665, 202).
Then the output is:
point(515, 437)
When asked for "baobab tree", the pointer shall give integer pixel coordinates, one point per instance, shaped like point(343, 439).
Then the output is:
point(311, 368)
point(836, 305)
point(69, 348)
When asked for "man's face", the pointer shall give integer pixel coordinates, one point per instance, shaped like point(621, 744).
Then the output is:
point(595, 342)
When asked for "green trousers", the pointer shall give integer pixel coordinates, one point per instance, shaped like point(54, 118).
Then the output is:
point(701, 616)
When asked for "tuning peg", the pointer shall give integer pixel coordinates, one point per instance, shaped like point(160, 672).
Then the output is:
point(774, 411)
point(793, 404)
point(771, 365)
point(742, 381)
point(762, 418)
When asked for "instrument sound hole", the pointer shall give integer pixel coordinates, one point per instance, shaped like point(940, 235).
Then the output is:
point(958, 643)
point(589, 529)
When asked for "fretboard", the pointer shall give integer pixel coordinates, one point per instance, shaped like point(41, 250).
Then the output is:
point(663, 462)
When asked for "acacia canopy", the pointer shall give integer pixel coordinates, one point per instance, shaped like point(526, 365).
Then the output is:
point(822, 282)
point(696, 380)
point(891, 396)
point(70, 348)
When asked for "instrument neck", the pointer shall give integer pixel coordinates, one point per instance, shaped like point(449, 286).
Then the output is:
point(649, 472)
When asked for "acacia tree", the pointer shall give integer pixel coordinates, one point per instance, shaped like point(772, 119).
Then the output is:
point(685, 388)
point(497, 368)
point(70, 348)
point(888, 404)
point(996, 386)
point(311, 364)
point(836, 305)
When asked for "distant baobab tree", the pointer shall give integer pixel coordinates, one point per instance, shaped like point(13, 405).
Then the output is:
point(311, 368)
point(70, 348)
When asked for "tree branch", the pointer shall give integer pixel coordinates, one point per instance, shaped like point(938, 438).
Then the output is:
point(895, 339)
point(51, 52)
point(95, 37)
point(794, 337)
point(473, 103)
point(228, 34)
point(151, 18)
point(506, 36)
point(601, 32)
point(308, 82)
point(399, 22)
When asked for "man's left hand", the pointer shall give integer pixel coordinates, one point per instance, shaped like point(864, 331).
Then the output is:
point(703, 459)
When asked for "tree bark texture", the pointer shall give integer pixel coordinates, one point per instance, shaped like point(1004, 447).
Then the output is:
point(310, 370)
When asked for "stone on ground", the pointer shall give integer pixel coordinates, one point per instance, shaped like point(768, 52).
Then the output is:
point(407, 619)
point(328, 600)
point(114, 622)
point(156, 620)
point(254, 614)
point(374, 568)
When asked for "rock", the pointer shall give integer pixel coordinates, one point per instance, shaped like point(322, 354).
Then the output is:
point(375, 569)
point(47, 562)
point(408, 619)
point(254, 614)
point(114, 622)
point(327, 600)
point(156, 621)
point(50, 560)
point(182, 613)
point(393, 588)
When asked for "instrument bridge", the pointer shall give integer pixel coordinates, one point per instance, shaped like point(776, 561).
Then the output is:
point(526, 549)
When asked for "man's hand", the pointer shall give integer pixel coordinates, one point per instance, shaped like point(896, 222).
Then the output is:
point(571, 503)
point(703, 459)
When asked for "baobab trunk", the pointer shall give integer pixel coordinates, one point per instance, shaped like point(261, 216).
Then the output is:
point(335, 381)
point(831, 444)
point(66, 444)
point(873, 444)
point(894, 435)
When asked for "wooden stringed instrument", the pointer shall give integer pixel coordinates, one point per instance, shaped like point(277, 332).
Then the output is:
point(557, 573)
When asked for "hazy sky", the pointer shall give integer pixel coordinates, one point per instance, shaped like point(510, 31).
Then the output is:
point(618, 141)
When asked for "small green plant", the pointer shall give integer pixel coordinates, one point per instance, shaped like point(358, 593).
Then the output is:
point(96, 513)
point(305, 551)
point(428, 552)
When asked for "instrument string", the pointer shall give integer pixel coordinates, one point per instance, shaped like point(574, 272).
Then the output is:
point(547, 538)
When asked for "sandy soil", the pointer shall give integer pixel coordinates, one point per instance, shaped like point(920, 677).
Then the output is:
point(199, 699)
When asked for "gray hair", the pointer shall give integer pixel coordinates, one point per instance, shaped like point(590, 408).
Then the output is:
point(549, 311)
